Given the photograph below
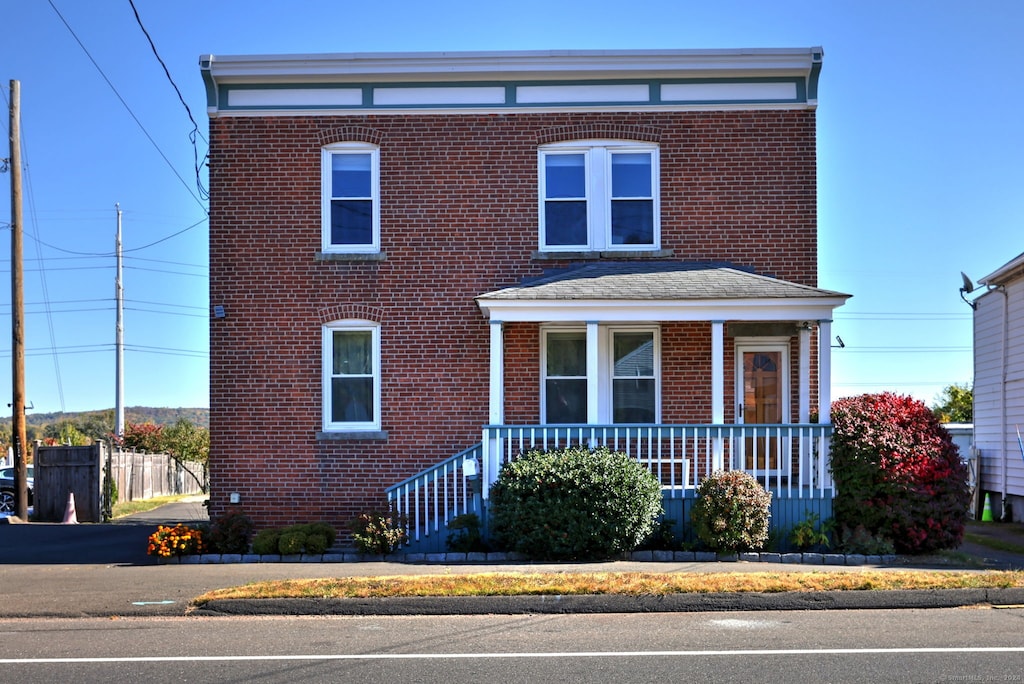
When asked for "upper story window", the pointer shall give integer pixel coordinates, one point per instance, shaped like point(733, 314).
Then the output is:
point(351, 376)
point(599, 196)
point(351, 198)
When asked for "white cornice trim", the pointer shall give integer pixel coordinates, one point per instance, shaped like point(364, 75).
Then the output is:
point(541, 65)
point(818, 308)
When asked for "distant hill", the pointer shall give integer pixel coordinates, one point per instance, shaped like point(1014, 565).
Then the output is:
point(132, 414)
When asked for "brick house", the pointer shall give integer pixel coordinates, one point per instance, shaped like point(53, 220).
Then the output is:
point(423, 263)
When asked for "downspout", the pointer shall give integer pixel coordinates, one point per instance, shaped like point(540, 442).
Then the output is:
point(1003, 425)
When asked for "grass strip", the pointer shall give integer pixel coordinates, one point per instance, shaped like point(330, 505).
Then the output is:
point(123, 508)
point(624, 583)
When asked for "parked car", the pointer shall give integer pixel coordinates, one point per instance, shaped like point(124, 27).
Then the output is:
point(7, 488)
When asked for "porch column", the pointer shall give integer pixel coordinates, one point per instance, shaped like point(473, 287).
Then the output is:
point(824, 372)
point(718, 390)
point(593, 364)
point(718, 372)
point(804, 409)
point(496, 413)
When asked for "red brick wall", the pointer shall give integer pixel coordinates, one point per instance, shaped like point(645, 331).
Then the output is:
point(458, 218)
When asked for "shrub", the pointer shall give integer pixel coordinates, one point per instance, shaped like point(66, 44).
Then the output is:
point(573, 503)
point(265, 542)
point(897, 473)
point(379, 532)
point(731, 512)
point(859, 540)
point(291, 542)
point(464, 535)
point(231, 532)
point(308, 538)
point(807, 534)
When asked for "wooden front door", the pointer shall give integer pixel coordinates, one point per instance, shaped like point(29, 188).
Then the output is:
point(762, 391)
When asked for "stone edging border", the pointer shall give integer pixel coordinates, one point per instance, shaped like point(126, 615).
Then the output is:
point(486, 558)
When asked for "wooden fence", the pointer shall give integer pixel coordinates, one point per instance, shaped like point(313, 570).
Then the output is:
point(80, 470)
point(143, 476)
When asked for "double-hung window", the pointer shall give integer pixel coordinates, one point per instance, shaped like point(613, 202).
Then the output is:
point(351, 198)
point(627, 376)
point(599, 196)
point(565, 377)
point(351, 376)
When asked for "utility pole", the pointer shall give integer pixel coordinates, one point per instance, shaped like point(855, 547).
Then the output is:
point(119, 342)
point(18, 431)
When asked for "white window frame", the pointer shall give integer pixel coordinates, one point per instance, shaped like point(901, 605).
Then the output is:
point(328, 356)
point(598, 172)
point(606, 367)
point(607, 352)
point(544, 377)
point(326, 157)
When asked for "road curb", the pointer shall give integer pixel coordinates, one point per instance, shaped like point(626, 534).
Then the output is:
point(671, 603)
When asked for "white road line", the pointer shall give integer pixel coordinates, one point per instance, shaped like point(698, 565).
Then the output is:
point(568, 654)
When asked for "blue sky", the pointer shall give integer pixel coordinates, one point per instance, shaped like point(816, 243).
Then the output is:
point(920, 168)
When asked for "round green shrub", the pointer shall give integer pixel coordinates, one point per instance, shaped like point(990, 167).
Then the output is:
point(898, 473)
point(265, 541)
point(291, 542)
point(573, 504)
point(315, 544)
point(731, 512)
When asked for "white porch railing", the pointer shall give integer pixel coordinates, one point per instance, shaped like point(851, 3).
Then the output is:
point(791, 460)
point(429, 499)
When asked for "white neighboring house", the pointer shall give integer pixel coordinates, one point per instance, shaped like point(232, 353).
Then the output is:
point(999, 387)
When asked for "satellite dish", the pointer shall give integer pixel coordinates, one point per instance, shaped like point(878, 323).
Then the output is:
point(968, 285)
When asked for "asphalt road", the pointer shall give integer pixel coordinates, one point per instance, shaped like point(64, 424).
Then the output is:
point(978, 645)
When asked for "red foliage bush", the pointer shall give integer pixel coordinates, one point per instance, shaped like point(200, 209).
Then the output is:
point(897, 473)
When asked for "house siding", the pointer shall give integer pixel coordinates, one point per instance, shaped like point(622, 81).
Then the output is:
point(997, 383)
point(459, 217)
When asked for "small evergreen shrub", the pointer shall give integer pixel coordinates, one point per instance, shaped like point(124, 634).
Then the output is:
point(731, 512)
point(573, 504)
point(464, 535)
point(231, 532)
point(265, 541)
point(379, 532)
point(309, 538)
point(291, 542)
point(662, 537)
point(315, 544)
point(897, 473)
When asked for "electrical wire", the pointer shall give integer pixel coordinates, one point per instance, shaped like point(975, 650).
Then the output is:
point(204, 193)
point(127, 108)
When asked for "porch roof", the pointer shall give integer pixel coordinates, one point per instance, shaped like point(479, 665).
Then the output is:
point(658, 290)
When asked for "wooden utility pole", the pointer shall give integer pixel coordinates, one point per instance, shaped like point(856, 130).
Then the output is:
point(119, 336)
point(18, 432)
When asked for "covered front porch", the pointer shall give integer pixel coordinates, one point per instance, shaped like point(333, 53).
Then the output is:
point(690, 368)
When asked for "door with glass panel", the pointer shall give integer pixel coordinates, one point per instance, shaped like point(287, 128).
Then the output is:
point(762, 392)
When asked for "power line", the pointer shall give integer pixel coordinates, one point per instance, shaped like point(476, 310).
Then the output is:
point(195, 127)
point(127, 108)
point(111, 254)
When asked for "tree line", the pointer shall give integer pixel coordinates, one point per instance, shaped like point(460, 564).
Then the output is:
point(182, 433)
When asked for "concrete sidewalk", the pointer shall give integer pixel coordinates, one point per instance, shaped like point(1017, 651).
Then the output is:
point(49, 570)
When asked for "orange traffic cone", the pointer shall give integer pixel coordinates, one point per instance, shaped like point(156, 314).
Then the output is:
point(70, 516)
